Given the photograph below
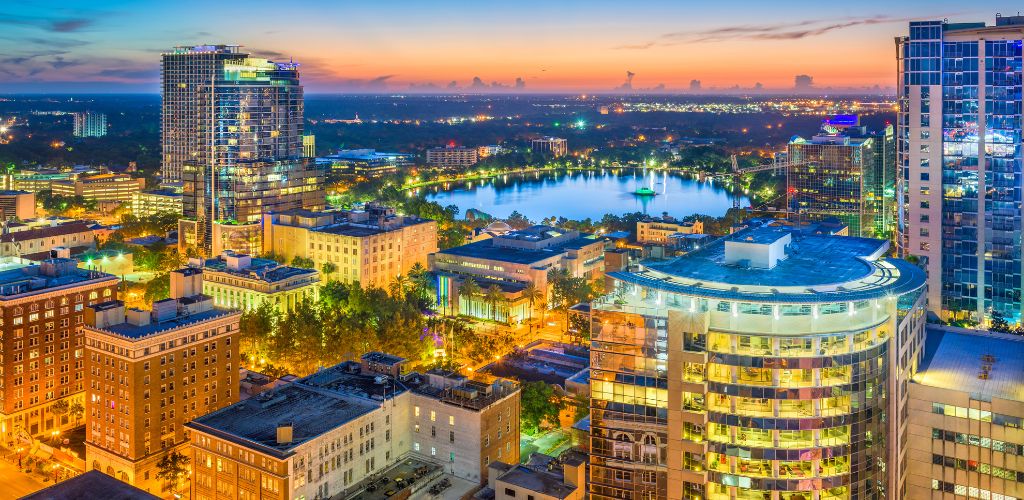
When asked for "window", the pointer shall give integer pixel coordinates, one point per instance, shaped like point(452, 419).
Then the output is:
point(416, 411)
point(510, 492)
point(451, 419)
point(433, 416)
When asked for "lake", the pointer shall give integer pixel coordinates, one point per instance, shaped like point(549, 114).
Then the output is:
point(586, 194)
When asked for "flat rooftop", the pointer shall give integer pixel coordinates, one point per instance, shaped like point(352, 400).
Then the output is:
point(134, 332)
point(254, 421)
point(817, 268)
point(544, 482)
point(981, 363)
point(486, 249)
point(259, 269)
point(17, 279)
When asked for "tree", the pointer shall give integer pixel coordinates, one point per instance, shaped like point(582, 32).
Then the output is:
point(399, 285)
point(420, 278)
point(328, 268)
point(158, 288)
point(77, 411)
point(60, 408)
point(538, 404)
point(532, 294)
point(254, 329)
point(303, 262)
point(171, 468)
point(469, 290)
point(493, 296)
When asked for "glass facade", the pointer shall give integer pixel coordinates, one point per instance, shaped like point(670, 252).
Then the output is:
point(702, 393)
point(962, 82)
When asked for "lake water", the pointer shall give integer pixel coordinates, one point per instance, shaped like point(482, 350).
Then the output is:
point(582, 194)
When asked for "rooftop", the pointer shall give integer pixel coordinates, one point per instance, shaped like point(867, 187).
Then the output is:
point(17, 279)
point(310, 411)
point(259, 269)
point(46, 232)
point(980, 363)
point(92, 485)
point(499, 248)
point(136, 332)
point(815, 268)
point(541, 481)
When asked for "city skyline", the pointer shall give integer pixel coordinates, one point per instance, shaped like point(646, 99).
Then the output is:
point(570, 47)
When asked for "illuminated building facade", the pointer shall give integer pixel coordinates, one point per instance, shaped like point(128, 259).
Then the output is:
point(90, 124)
point(845, 172)
point(101, 187)
point(959, 147)
point(232, 133)
point(452, 156)
point(763, 366)
point(149, 372)
point(239, 281)
point(554, 146)
point(147, 203)
point(966, 418)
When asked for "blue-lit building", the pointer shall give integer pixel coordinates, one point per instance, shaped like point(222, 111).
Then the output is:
point(366, 161)
point(959, 157)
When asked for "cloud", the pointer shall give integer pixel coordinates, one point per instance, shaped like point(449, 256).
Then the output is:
point(129, 74)
point(69, 25)
point(59, 62)
point(779, 31)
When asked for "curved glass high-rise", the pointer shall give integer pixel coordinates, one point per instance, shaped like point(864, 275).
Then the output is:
point(767, 365)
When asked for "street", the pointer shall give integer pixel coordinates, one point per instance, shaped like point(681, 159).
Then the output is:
point(16, 483)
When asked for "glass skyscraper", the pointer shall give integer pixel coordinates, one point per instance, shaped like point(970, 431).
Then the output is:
point(770, 365)
point(959, 155)
point(232, 134)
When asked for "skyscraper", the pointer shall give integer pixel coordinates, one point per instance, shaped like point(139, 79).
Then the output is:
point(770, 364)
point(959, 156)
point(232, 134)
point(845, 172)
point(90, 124)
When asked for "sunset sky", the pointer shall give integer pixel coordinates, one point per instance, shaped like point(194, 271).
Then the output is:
point(554, 45)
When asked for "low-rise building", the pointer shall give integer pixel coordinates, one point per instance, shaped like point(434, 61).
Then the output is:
point(147, 203)
point(101, 187)
point(554, 146)
point(15, 204)
point(661, 229)
point(545, 481)
point(369, 162)
point(370, 246)
point(33, 240)
point(511, 261)
point(91, 485)
point(239, 281)
point(328, 434)
point(452, 156)
point(966, 417)
point(489, 150)
point(149, 372)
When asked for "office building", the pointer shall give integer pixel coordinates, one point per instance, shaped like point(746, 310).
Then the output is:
point(845, 172)
point(554, 146)
point(660, 230)
point(370, 246)
point(238, 281)
point(100, 187)
point(149, 203)
point(309, 146)
point(254, 162)
point(511, 261)
point(322, 436)
point(959, 156)
point(90, 124)
point(452, 156)
point(17, 205)
point(149, 372)
point(489, 150)
point(769, 364)
point(366, 162)
point(966, 418)
point(34, 180)
point(43, 310)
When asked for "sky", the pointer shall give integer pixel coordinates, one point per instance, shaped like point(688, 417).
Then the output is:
point(403, 45)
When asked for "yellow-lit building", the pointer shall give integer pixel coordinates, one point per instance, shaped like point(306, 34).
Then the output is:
point(101, 187)
point(370, 246)
point(148, 373)
point(659, 230)
point(239, 281)
point(147, 203)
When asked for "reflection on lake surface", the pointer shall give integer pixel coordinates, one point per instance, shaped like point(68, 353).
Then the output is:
point(582, 194)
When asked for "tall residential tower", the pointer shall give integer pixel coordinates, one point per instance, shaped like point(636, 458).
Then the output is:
point(232, 134)
point(959, 157)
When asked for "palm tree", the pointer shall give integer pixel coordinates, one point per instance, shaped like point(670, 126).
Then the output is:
point(399, 285)
point(532, 294)
point(492, 297)
point(469, 289)
point(420, 277)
